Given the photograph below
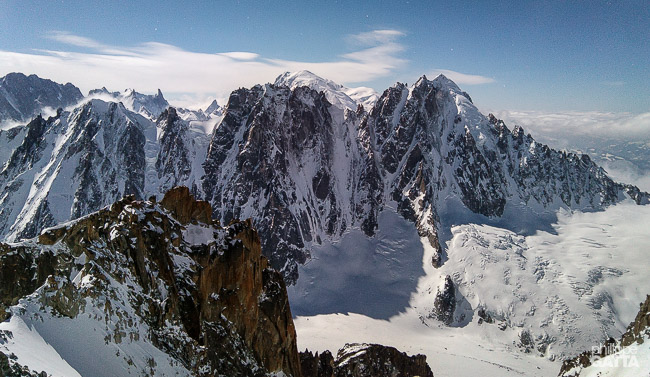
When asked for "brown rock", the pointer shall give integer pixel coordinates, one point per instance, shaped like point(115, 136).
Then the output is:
point(639, 327)
point(184, 208)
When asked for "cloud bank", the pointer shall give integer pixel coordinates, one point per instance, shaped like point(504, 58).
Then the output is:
point(152, 65)
point(581, 124)
point(190, 75)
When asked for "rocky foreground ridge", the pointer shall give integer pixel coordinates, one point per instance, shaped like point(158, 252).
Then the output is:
point(197, 297)
point(151, 288)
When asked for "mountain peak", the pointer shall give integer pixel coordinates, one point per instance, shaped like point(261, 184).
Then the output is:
point(305, 78)
point(337, 94)
point(24, 96)
point(443, 81)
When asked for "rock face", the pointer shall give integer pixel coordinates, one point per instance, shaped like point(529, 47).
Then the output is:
point(639, 329)
point(364, 360)
point(23, 97)
point(300, 162)
point(619, 351)
point(198, 298)
point(444, 304)
point(315, 365)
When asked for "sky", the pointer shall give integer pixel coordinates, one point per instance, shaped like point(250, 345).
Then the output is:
point(568, 55)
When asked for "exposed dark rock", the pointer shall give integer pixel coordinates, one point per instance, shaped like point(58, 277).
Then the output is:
point(444, 304)
point(315, 365)
point(364, 360)
point(371, 360)
point(484, 316)
point(640, 327)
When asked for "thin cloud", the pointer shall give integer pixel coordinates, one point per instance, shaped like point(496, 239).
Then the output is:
point(240, 55)
point(462, 78)
point(74, 40)
point(153, 65)
point(377, 37)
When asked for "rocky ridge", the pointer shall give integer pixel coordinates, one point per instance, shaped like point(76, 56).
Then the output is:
point(149, 106)
point(364, 360)
point(318, 170)
point(165, 278)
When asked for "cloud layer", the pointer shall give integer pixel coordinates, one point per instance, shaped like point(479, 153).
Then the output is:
point(186, 74)
point(151, 65)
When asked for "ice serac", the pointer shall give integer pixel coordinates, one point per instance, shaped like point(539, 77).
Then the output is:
point(23, 97)
point(147, 288)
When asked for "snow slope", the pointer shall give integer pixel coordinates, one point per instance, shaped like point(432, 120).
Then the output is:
point(568, 290)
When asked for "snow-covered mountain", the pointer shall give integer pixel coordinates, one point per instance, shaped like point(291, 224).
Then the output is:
point(76, 162)
point(338, 95)
point(328, 182)
point(425, 150)
point(23, 97)
point(149, 106)
point(304, 169)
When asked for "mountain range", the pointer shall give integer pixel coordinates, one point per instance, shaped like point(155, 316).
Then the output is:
point(310, 162)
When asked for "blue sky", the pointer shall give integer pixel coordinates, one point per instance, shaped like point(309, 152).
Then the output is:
point(542, 56)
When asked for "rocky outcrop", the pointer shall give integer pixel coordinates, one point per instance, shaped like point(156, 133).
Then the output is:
point(364, 360)
point(638, 332)
point(444, 305)
point(315, 365)
point(12, 369)
point(639, 329)
point(200, 293)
